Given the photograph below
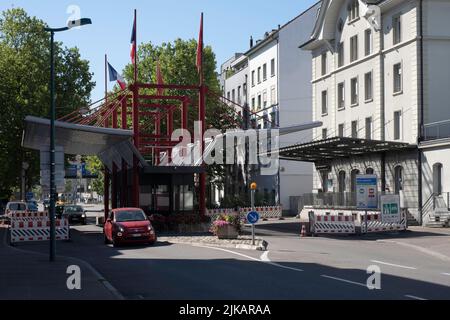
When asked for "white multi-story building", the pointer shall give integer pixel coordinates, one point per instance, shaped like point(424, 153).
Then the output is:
point(380, 74)
point(278, 80)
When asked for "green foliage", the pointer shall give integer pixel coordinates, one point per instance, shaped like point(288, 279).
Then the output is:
point(95, 166)
point(24, 89)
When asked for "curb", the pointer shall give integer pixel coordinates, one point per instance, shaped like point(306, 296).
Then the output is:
point(226, 246)
point(86, 264)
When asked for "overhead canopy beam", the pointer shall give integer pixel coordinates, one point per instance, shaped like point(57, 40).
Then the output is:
point(110, 145)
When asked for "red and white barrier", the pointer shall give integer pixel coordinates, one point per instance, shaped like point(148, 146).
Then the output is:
point(375, 223)
point(264, 212)
point(35, 226)
point(332, 224)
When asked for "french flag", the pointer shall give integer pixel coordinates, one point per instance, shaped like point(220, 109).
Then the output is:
point(115, 76)
point(133, 41)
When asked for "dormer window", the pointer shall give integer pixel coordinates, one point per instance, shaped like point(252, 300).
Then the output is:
point(353, 9)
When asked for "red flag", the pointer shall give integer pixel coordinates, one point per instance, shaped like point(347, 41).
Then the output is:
point(159, 79)
point(200, 48)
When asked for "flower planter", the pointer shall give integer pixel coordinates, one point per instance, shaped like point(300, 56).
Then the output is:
point(227, 232)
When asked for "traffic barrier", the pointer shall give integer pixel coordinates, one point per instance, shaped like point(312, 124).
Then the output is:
point(375, 224)
point(328, 224)
point(27, 227)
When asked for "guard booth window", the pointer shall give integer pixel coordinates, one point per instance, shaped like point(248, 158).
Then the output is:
point(398, 179)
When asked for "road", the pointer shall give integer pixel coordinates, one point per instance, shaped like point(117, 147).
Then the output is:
point(292, 268)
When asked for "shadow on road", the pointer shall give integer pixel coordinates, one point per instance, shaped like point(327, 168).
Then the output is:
point(167, 271)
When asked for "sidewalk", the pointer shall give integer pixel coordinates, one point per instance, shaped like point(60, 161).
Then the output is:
point(29, 276)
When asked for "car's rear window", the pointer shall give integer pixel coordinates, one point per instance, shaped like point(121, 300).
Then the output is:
point(17, 207)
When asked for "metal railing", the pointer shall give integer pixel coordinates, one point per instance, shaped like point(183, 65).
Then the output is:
point(435, 201)
point(330, 200)
point(437, 130)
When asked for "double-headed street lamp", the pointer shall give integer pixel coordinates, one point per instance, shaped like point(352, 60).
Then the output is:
point(70, 25)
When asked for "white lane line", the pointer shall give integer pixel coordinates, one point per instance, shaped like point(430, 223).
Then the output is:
point(393, 265)
point(446, 274)
point(344, 280)
point(265, 256)
point(415, 298)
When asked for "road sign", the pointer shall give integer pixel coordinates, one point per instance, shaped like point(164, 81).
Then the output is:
point(253, 217)
point(390, 209)
point(366, 192)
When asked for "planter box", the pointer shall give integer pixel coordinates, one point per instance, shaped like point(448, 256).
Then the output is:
point(227, 232)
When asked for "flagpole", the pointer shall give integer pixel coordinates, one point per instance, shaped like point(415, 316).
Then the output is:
point(106, 79)
point(135, 46)
point(202, 116)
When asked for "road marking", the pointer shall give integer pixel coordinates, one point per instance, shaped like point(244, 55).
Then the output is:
point(254, 259)
point(265, 257)
point(393, 265)
point(415, 298)
point(344, 280)
point(432, 253)
point(446, 274)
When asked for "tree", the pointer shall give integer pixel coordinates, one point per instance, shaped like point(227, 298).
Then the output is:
point(24, 89)
point(95, 166)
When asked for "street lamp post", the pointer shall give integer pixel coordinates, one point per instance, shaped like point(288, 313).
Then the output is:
point(70, 25)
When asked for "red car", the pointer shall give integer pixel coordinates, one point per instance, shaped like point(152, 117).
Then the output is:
point(128, 226)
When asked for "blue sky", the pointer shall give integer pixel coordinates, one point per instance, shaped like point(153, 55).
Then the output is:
point(228, 25)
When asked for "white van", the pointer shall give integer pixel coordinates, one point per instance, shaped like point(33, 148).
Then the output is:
point(16, 206)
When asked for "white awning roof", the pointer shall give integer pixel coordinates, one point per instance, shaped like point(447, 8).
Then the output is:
point(110, 145)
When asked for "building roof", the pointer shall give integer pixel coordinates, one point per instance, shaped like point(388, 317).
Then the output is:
point(338, 148)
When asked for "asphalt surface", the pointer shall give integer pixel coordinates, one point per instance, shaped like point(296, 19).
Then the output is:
point(292, 268)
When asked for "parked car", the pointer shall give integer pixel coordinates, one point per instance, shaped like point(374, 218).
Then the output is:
point(128, 225)
point(75, 214)
point(16, 206)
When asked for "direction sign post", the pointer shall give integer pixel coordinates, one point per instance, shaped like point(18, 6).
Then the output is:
point(253, 216)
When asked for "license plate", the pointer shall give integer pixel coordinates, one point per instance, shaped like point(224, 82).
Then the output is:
point(137, 235)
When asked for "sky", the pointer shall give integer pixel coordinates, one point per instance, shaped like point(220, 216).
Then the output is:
point(228, 25)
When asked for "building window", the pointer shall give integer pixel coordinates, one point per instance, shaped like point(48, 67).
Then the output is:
point(341, 130)
point(342, 179)
point(324, 134)
point(259, 75)
point(273, 95)
point(369, 128)
point(354, 92)
point(398, 82)
point(355, 129)
point(265, 72)
point(324, 63)
point(368, 86)
point(341, 96)
point(354, 10)
point(239, 95)
point(324, 102)
point(233, 95)
point(368, 42)
point(370, 171)
point(229, 96)
point(355, 173)
point(253, 103)
point(253, 78)
point(265, 99)
point(354, 48)
point(397, 29)
point(437, 179)
point(340, 51)
point(398, 179)
point(272, 67)
point(397, 125)
point(259, 102)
